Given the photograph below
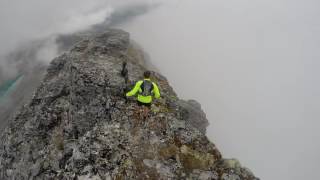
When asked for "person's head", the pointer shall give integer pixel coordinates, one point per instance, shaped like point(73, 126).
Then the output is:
point(147, 74)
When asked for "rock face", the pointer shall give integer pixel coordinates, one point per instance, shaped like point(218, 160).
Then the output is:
point(79, 125)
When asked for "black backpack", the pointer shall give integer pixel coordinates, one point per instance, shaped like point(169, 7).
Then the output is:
point(147, 88)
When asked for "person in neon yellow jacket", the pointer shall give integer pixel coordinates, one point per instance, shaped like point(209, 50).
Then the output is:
point(145, 89)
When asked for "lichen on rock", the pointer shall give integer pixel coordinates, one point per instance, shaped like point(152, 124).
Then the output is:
point(79, 125)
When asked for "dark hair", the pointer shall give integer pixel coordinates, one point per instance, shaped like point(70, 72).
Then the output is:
point(147, 74)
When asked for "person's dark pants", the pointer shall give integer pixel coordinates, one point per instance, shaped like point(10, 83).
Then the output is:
point(144, 104)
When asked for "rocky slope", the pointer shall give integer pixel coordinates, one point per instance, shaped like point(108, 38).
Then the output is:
point(79, 125)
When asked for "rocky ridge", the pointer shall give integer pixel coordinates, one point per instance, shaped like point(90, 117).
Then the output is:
point(79, 125)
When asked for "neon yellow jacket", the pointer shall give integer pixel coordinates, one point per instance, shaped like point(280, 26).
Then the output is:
point(141, 98)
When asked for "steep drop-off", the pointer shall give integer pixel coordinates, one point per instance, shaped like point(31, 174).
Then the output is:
point(79, 125)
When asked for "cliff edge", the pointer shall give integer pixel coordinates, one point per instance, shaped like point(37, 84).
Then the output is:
point(79, 125)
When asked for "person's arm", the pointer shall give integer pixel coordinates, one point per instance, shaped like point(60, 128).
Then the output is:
point(135, 89)
point(156, 91)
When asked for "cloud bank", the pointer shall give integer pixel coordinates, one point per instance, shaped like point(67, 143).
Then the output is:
point(253, 65)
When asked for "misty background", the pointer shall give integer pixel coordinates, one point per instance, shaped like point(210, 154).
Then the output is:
point(253, 65)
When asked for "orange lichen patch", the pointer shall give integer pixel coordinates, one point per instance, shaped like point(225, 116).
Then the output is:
point(147, 151)
point(216, 153)
point(57, 138)
point(140, 115)
point(177, 141)
point(144, 171)
point(120, 176)
point(122, 172)
point(157, 125)
point(191, 159)
point(203, 145)
point(168, 152)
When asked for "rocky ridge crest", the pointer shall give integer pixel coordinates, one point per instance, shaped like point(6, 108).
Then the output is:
point(79, 125)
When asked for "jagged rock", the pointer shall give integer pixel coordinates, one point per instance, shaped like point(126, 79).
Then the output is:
point(79, 125)
point(194, 115)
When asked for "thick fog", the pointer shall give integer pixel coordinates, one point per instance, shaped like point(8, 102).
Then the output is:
point(253, 65)
point(22, 21)
point(35, 25)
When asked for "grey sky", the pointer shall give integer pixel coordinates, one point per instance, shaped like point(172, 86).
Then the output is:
point(33, 19)
point(253, 65)
point(26, 20)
